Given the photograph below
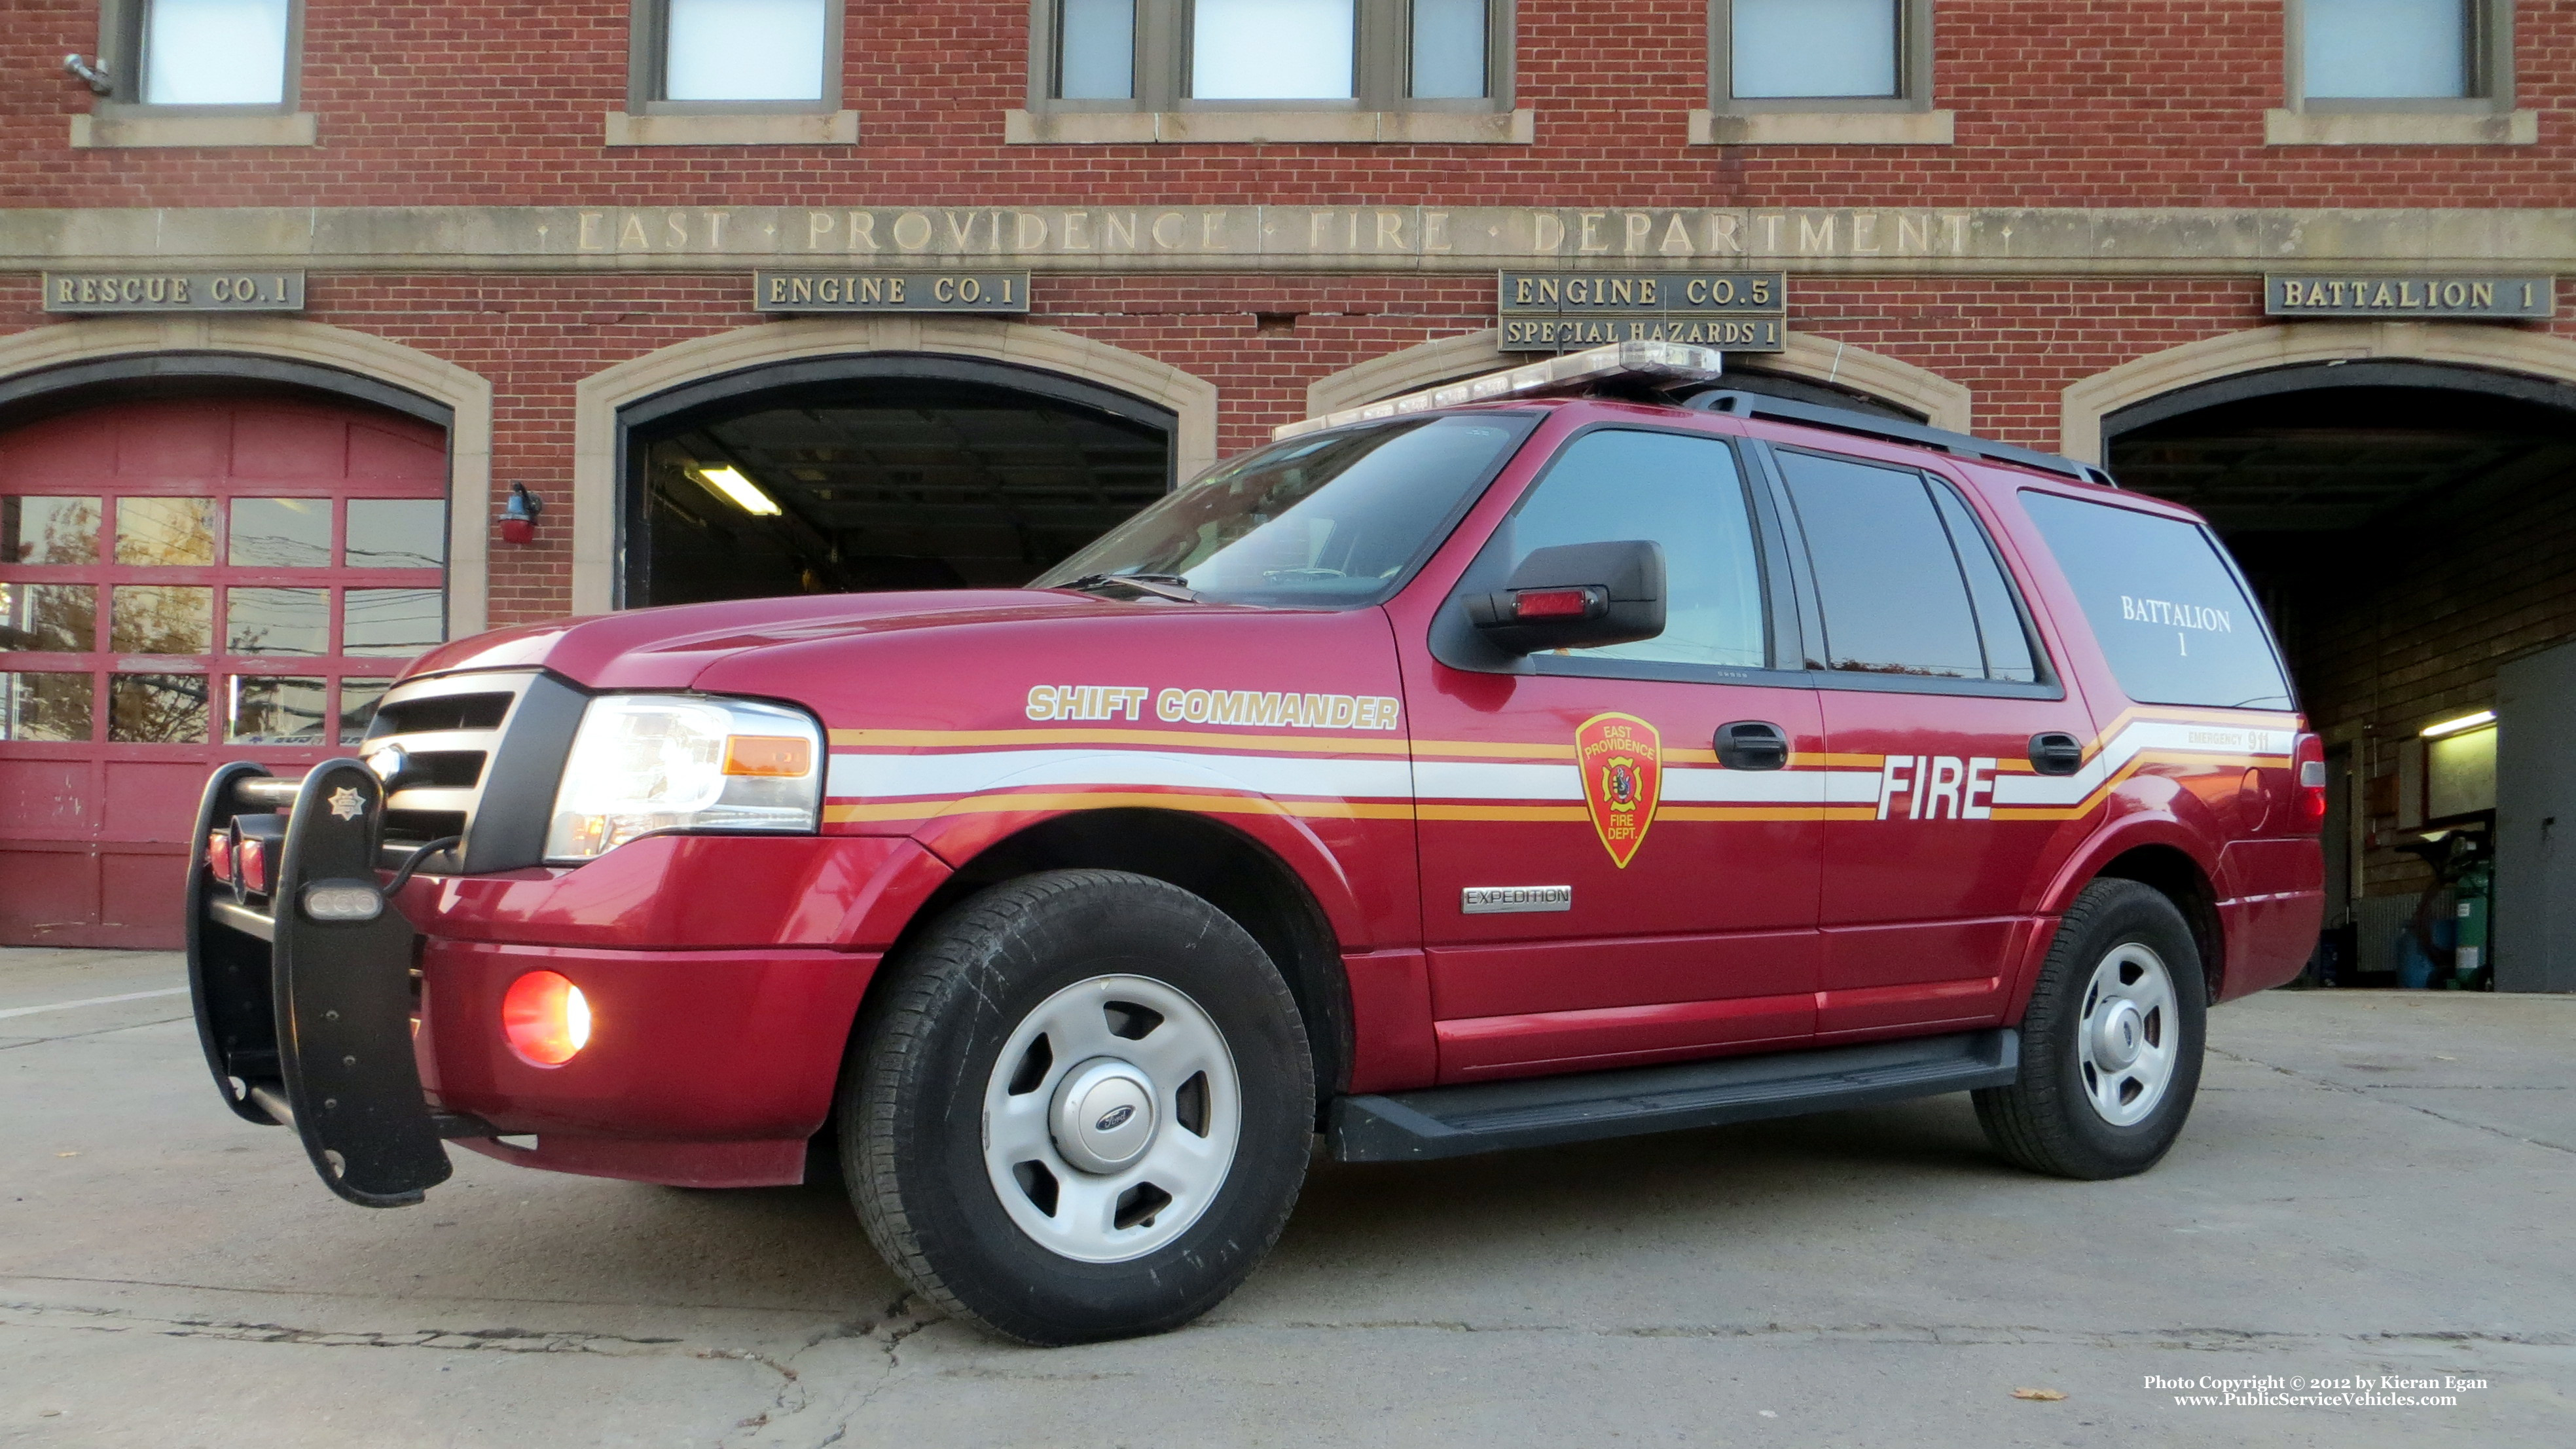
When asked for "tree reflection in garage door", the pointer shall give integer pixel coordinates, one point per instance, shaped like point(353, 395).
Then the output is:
point(45, 705)
point(156, 709)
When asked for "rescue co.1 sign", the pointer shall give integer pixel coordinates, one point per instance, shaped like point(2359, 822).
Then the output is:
point(174, 291)
point(1565, 311)
point(890, 291)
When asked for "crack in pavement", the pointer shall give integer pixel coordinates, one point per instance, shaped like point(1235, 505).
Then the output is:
point(504, 1340)
point(896, 1322)
point(2370, 1094)
point(788, 1401)
point(373, 1296)
point(890, 1332)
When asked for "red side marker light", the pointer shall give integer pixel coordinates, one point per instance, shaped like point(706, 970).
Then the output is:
point(545, 1018)
point(252, 864)
point(219, 855)
point(1550, 603)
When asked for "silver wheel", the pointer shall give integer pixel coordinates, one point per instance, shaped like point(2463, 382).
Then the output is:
point(1111, 1118)
point(2127, 1035)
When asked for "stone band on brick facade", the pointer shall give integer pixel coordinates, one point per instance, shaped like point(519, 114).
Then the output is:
point(1126, 239)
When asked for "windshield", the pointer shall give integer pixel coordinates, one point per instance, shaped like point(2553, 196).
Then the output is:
point(1333, 520)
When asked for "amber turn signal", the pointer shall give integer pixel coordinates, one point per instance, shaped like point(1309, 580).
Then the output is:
point(778, 755)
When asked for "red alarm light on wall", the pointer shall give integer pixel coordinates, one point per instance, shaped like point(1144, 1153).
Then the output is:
point(519, 518)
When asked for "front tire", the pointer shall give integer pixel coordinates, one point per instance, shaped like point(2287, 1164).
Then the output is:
point(1080, 1108)
point(2111, 1044)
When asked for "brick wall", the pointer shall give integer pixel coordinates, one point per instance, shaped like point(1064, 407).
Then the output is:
point(2100, 102)
point(2017, 342)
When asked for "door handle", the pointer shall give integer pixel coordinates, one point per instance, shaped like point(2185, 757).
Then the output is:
point(1752, 744)
point(2053, 753)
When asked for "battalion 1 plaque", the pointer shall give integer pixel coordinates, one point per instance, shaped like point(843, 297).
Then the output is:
point(890, 291)
point(1568, 311)
point(2413, 294)
point(174, 291)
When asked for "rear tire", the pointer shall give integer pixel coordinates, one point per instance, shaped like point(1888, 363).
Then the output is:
point(1080, 1108)
point(2111, 1044)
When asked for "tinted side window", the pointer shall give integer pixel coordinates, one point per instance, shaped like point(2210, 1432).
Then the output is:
point(1999, 624)
point(1682, 492)
point(1887, 575)
point(2163, 603)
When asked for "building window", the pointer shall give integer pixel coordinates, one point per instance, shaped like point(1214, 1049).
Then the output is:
point(214, 57)
point(1815, 48)
point(1449, 52)
point(2399, 73)
point(719, 56)
point(1378, 55)
point(1096, 50)
point(2399, 53)
point(1252, 50)
point(1821, 54)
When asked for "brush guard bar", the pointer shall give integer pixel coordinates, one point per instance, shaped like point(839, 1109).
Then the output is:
point(307, 1023)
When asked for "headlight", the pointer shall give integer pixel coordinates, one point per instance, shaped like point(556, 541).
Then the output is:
point(647, 763)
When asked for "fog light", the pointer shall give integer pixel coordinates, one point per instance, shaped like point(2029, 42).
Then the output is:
point(545, 1018)
point(342, 900)
point(219, 856)
point(250, 862)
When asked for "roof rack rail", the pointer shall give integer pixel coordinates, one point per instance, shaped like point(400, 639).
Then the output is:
point(1869, 425)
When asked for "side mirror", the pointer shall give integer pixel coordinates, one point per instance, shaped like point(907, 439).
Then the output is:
point(1576, 596)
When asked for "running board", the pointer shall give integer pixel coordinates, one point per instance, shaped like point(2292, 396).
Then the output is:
point(1544, 1111)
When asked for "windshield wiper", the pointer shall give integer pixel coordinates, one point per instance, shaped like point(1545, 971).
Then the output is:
point(1161, 586)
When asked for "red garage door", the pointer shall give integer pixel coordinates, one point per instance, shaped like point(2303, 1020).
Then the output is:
point(183, 582)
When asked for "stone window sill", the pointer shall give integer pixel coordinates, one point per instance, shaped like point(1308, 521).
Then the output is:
point(2400, 128)
point(833, 128)
point(1144, 128)
point(1822, 128)
point(102, 132)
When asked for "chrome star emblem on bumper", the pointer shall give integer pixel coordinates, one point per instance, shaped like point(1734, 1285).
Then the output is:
point(347, 803)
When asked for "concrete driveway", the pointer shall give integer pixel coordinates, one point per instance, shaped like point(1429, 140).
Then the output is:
point(2373, 1185)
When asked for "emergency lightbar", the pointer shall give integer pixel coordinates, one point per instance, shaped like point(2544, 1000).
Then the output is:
point(1655, 364)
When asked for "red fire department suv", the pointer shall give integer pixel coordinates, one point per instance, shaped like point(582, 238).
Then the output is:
point(1538, 759)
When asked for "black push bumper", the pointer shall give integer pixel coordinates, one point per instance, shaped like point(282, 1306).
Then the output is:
point(306, 1022)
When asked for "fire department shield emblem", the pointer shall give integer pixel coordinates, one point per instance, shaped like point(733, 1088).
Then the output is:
point(1622, 762)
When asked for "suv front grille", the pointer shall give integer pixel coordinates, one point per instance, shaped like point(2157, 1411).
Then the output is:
point(485, 752)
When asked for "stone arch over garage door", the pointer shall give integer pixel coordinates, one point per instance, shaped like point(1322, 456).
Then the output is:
point(599, 469)
point(332, 359)
point(1823, 360)
point(2085, 405)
